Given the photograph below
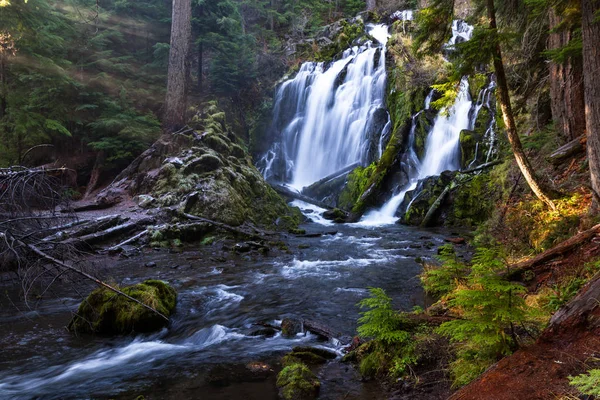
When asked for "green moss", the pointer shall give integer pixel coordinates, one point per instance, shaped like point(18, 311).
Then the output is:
point(297, 382)
point(355, 186)
point(208, 240)
point(349, 33)
point(104, 311)
point(476, 84)
point(218, 143)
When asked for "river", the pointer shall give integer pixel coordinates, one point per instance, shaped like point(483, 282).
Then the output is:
point(222, 295)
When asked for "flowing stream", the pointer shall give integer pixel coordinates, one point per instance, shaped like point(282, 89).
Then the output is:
point(221, 296)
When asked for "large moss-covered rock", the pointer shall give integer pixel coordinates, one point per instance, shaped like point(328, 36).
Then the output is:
point(297, 382)
point(422, 198)
point(107, 312)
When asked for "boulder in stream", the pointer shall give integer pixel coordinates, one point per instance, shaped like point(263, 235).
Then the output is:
point(297, 382)
point(107, 312)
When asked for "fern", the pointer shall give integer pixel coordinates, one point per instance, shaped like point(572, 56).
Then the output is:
point(588, 384)
point(393, 348)
point(490, 306)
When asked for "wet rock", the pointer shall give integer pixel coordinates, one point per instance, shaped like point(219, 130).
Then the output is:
point(324, 353)
point(176, 161)
point(242, 247)
point(336, 215)
point(104, 311)
point(306, 357)
point(145, 201)
point(227, 374)
point(129, 251)
point(150, 264)
point(268, 332)
point(291, 327)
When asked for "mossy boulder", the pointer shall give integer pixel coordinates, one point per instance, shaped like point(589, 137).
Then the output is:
point(204, 163)
point(422, 198)
point(297, 382)
point(107, 312)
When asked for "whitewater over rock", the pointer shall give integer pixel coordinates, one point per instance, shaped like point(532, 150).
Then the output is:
point(330, 115)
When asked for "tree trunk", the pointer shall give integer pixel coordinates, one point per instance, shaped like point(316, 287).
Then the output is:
point(181, 33)
point(200, 61)
point(371, 4)
point(590, 28)
point(566, 83)
point(2, 85)
point(508, 117)
point(95, 175)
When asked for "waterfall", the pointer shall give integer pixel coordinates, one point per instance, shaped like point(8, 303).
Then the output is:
point(442, 150)
point(329, 115)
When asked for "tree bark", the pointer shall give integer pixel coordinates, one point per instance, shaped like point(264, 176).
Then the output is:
point(371, 4)
point(566, 83)
point(590, 28)
point(181, 33)
point(508, 117)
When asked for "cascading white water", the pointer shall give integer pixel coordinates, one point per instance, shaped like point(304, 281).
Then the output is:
point(326, 111)
point(442, 145)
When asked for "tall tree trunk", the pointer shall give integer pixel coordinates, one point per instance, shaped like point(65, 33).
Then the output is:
point(508, 117)
point(2, 85)
point(566, 83)
point(181, 34)
point(200, 62)
point(590, 28)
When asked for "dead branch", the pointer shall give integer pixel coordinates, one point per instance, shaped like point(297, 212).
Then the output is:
point(558, 250)
point(88, 276)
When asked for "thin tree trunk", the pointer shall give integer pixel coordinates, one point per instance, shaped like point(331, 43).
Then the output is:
point(95, 175)
point(181, 33)
point(508, 118)
point(2, 85)
point(590, 28)
point(200, 61)
point(566, 83)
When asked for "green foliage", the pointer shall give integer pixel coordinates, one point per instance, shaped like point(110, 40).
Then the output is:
point(489, 307)
point(439, 281)
point(433, 27)
point(588, 384)
point(393, 350)
point(77, 80)
point(381, 321)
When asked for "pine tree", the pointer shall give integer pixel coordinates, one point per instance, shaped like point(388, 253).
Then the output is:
point(179, 66)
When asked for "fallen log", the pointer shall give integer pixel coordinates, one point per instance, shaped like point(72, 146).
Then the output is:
point(318, 329)
point(558, 250)
point(59, 263)
point(428, 219)
point(90, 227)
point(102, 236)
point(282, 190)
point(228, 228)
point(567, 151)
point(314, 187)
point(119, 247)
point(482, 166)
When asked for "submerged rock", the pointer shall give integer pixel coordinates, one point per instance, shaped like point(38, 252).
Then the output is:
point(107, 312)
